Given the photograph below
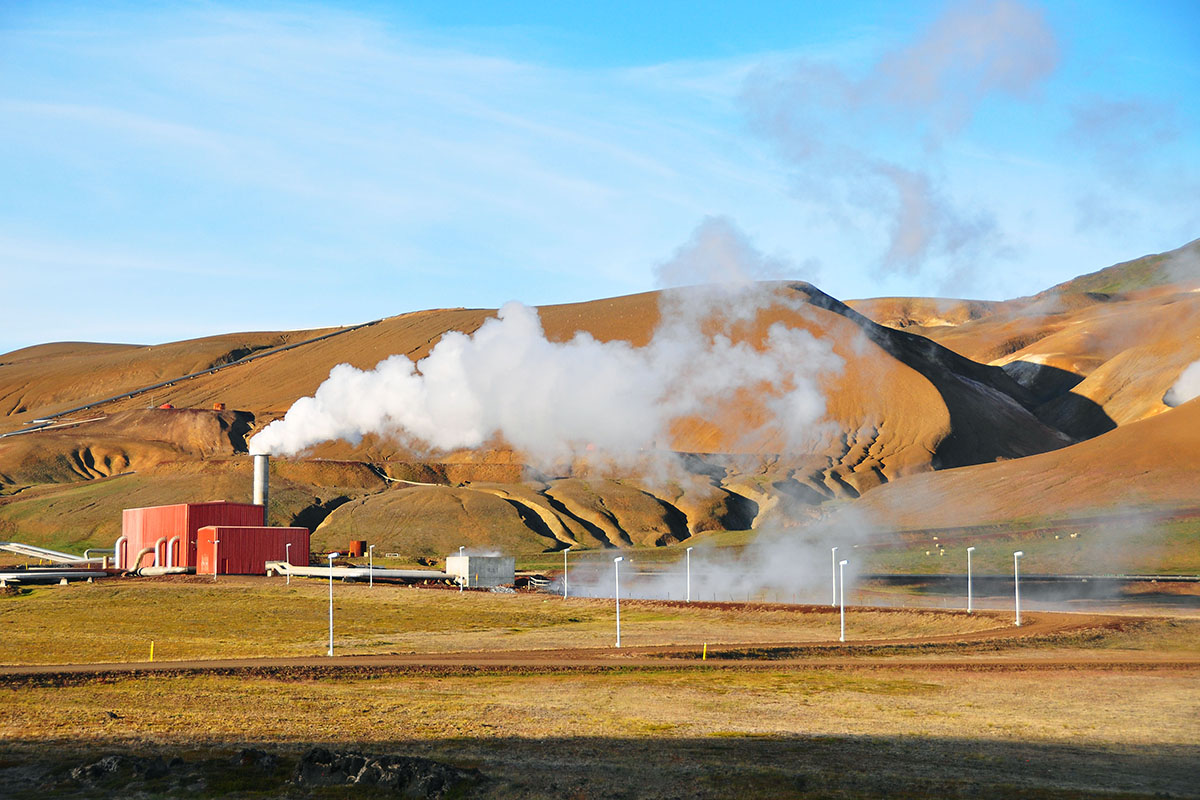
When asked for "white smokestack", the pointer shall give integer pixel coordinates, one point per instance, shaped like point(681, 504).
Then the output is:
point(261, 480)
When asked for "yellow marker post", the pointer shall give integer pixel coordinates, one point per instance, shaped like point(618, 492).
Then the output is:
point(704, 655)
point(151, 651)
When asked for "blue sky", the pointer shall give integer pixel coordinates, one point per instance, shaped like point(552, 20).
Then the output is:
point(180, 169)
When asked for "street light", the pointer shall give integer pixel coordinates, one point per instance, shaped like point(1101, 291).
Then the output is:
point(833, 602)
point(688, 554)
point(287, 550)
point(371, 566)
point(617, 578)
point(969, 551)
point(1017, 583)
point(216, 562)
point(842, 569)
point(565, 572)
point(332, 556)
point(464, 569)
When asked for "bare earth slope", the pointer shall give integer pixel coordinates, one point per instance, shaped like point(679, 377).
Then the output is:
point(1152, 463)
point(1097, 351)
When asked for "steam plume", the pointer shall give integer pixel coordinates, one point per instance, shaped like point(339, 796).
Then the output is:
point(555, 401)
point(1186, 388)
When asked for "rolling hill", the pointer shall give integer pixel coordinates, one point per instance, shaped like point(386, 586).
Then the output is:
point(987, 407)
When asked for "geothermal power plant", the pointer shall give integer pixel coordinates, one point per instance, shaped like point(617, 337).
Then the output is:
point(220, 537)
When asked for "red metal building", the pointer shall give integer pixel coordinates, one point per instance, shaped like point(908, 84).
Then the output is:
point(245, 550)
point(171, 530)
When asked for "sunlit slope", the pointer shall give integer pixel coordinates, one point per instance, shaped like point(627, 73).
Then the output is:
point(1096, 352)
point(1151, 463)
point(895, 404)
point(43, 380)
point(899, 404)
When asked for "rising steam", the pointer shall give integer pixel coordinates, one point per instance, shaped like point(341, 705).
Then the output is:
point(1186, 388)
point(555, 401)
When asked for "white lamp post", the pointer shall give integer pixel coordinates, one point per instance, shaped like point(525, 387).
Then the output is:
point(969, 551)
point(565, 572)
point(216, 561)
point(833, 555)
point(371, 566)
point(842, 569)
point(688, 554)
point(287, 550)
point(332, 556)
point(617, 579)
point(462, 577)
point(1017, 583)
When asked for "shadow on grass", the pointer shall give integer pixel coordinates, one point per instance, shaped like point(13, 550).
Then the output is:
point(734, 764)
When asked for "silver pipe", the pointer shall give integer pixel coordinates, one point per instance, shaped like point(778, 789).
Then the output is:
point(156, 571)
point(261, 481)
point(137, 559)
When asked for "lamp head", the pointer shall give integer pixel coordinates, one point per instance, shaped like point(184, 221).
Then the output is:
point(618, 559)
point(334, 555)
point(1018, 554)
point(970, 549)
point(690, 549)
point(843, 562)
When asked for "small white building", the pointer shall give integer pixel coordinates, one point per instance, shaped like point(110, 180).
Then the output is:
point(482, 572)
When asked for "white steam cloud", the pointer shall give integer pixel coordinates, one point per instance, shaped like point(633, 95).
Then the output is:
point(781, 564)
point(1186, 388)
point(556, 401)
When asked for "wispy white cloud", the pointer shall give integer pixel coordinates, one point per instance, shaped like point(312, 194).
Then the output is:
point(872, 142)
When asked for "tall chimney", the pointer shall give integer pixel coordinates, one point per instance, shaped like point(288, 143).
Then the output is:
point(261, 468)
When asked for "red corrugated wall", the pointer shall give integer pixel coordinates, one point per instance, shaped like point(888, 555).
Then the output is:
point(245, 550)
point(201, 515)
point(144, 526)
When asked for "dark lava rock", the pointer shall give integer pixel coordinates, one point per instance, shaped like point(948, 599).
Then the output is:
point(409, 776)
point(126, 768)
point(254, 758)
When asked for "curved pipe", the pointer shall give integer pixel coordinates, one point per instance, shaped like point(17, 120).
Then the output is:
point(121, 551)
point(153, 571)
point(137, 559)
point(173, 547)
point(160, 551)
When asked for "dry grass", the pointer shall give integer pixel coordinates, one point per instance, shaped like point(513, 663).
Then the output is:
point(526, 729)
point(1087, 708)
point(242, 617)
point(907, 730)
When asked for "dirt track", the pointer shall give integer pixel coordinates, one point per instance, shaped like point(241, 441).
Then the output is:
point(892, 653)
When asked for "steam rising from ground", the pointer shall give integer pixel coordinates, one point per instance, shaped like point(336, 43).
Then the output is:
point(781, 564)
point(1186, 388)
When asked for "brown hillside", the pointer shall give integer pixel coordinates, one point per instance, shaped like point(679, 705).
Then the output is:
point(41, 380)
point(1153, 462)
point(990, 394)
